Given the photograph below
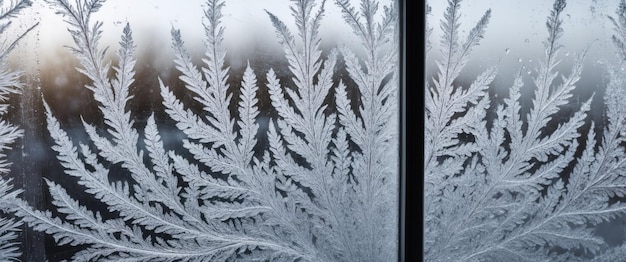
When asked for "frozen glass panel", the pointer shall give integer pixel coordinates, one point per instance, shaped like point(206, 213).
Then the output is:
point(203, 130)
point(524, 139)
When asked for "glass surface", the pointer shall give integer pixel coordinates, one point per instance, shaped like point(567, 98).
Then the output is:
point(199, 130)
point(524, 140)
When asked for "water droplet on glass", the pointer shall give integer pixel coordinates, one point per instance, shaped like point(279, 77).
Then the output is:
point(528, 72)
point(526, 40)
point(566, 53)
point(530, 60)
point(507, 50)
point(519, 60)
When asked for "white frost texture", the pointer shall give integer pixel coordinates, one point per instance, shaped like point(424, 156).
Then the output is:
point(528, 175)
point(317, 182)
point(10, 84)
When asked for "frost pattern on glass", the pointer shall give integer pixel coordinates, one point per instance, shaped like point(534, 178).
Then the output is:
point(514, 186)
point(323, 189)
point(10, 83)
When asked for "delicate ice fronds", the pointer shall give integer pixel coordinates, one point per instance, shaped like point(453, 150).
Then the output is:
point(620, 29)
point(9, 248)
point(226, 198)
point(443, 100)
point(373, 129)
point(7, 11)
point(9, 133)
point(504, 194)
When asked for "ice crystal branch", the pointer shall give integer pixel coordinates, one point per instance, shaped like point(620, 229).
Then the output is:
point(372, 127)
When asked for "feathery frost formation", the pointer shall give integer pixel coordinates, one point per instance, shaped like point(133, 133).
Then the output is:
point(324, 188)
point(10, 83)
point(520, 186)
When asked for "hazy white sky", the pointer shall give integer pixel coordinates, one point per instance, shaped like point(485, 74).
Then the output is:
point(151, 20)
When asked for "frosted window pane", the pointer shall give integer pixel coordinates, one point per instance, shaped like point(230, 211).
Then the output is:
point(524, 141)
point(199, 130)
